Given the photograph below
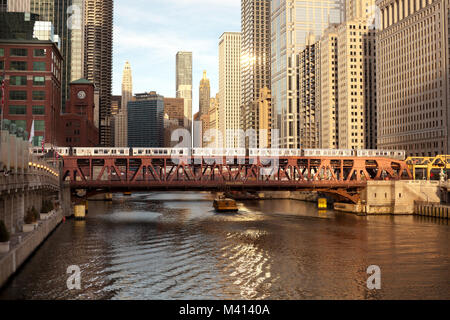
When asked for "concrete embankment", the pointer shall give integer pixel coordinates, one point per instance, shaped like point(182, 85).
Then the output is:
point(23, 245)
point(393, 197)
point(435, 210)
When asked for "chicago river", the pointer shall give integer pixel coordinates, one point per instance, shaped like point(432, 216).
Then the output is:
point(175, 246)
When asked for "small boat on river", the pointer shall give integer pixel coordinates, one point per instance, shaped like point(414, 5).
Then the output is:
point(223, 204)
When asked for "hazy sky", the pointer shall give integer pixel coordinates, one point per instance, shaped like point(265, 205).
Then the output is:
point(149, 33)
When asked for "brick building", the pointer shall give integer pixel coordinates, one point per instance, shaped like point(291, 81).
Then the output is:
point(77, 127)
point(32, 71)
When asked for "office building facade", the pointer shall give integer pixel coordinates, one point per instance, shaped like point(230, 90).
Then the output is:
point(98, 15)
point(146, 121)
point(255, 60)
point(204, 94)
point(121, 122)
point(357, 123)
point(184, 84)
point(230, 89)
point(33, 70)
point(292, 21)
point(329, 130)
point(413, 76)
point(308, 101)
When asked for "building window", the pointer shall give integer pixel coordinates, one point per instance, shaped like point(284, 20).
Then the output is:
point(40, 52)
point(18, 66)
point(17, 95)
point(38, 110)
point(15, 110)
point(38, 81)
point(20, 124)
point(19, 52)
point(37, 141)
point(38, 95)
point(2, 52)
point(2, 65)
point(18, 80)
point(39, 125)
point(38, 66)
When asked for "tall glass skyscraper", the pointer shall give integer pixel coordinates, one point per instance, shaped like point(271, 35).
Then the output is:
point(184, 84)
point(293, 21)
point(146, 121)
point(255, 61)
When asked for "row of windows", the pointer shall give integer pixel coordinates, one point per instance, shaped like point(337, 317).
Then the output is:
point(22, 95)
point(22, 81)
point(22, 52)
point(23, 66)
point(22, 110)
point(39, 125)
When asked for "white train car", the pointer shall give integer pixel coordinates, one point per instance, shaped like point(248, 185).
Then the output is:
point(275, 152)
point(392, 154)
point(328, 153)
point(160, 151)
point(218, 152)
point(100, 152)
point(63, 151)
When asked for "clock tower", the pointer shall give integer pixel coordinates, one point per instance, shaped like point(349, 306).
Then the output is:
point(82, 99)
point(77, 126)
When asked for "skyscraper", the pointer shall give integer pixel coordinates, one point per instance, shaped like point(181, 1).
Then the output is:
point(230, 88)
point(413, 76)
point(255, 59)
point(329, 138)
point(291, 23)
point(121, 119)
point(209, 140)
point(146, 121)
point(184, 84)
point(204, 95)
point(356, 85)
point(308, 77)
point(98, 59)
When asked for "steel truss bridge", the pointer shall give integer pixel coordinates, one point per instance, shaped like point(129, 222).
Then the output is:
point(342, 177)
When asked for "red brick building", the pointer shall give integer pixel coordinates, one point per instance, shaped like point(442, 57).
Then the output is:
point(32, 70)
point(77, 127)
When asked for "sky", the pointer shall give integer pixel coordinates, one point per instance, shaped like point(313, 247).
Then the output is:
point(149, 33)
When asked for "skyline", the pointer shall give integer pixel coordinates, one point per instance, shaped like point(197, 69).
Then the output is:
point(161, 35)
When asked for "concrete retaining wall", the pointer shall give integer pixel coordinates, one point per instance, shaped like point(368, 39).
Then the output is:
point(10, 262)
point(432, 210)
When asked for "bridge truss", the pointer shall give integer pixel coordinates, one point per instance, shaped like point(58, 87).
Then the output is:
point(343, 177)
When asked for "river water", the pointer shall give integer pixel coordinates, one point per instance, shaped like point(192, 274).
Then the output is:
point(174, 246)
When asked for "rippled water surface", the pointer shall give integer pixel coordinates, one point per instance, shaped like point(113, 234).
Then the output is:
point(174, 246)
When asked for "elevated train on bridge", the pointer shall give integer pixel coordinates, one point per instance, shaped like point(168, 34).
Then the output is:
point(212, 152)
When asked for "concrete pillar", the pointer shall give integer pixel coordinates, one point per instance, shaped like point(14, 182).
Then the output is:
point(18, 214)
point(9, 209)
